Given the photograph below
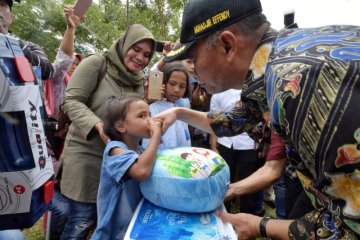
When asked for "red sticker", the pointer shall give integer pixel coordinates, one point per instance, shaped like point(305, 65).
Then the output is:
point(19, 189)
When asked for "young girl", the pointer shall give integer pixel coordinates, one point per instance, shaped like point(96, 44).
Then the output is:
point(176, 81)
point(126, 122)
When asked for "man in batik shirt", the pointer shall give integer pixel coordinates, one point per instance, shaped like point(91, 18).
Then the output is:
point(308, 79)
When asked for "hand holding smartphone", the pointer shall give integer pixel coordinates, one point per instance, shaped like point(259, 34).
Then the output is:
point(154, 85)
point(81, 6)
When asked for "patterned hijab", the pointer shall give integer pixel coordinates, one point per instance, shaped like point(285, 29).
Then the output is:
point(117, 52)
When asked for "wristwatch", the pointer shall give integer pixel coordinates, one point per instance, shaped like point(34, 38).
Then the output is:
point(262, 226)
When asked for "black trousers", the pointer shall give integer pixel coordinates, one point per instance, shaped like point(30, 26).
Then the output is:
point(243, 163)
point(297, 203)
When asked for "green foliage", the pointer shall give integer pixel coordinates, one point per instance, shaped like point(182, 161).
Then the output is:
point(31, 22)
point(42, 21)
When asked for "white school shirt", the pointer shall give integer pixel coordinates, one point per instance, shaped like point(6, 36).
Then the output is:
point(226, 101)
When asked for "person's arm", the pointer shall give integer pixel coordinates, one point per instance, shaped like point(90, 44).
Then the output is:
point(278, 229)
point(214, 105)
point(37, 57)
point(72, 22)
point(64, 58)
point(142, 168)
point(264, 176)
point(259, 180)
point(168, 46)
point(247, 226)
point(99, 127)
point(194, 118)
point(213, 142)
point(240, 119)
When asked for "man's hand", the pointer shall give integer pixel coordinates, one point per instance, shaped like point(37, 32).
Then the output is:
point(246, 225)
point(167, 118)
point(230, 194)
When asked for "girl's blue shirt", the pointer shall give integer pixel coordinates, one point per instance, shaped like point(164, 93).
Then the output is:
point(118, 194)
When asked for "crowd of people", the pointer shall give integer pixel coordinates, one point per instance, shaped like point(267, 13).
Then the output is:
point(278, 106)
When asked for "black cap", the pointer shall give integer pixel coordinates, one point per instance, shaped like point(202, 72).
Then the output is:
point(203, 17)
point(10, 2)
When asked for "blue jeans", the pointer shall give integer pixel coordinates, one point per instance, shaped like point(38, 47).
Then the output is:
point(279, 190)
point(58, 211)
point(71, 219)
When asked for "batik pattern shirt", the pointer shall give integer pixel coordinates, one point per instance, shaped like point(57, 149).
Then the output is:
point(312, 81)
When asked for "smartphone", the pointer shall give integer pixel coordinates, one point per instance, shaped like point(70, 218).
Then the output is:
point(154, 85)
point(159, 47)
point(81, 6)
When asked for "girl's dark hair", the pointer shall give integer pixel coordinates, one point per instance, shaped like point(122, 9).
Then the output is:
point(176, 66)
point(115, 109)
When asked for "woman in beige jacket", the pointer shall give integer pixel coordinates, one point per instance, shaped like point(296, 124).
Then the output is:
point(85, 140)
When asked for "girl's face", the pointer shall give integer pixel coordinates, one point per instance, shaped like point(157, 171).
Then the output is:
point(176, 86)
point(138, 56)
point(136, 120)
point(189, 64)
point(73, 66)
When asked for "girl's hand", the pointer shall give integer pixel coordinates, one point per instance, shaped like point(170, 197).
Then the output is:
point(150, 101)
point(163, 94)
point(155, 126)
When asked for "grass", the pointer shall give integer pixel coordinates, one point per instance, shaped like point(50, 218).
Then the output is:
point(35, 232)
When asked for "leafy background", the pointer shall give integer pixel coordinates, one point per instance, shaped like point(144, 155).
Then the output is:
point(42, 22)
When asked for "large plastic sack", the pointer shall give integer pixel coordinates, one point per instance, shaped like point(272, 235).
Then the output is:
point(188, 180)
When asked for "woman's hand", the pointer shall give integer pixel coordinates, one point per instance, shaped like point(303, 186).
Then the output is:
point(99, 128)
point(72, 21)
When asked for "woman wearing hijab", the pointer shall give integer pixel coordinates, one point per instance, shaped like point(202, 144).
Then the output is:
point(85, 140)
